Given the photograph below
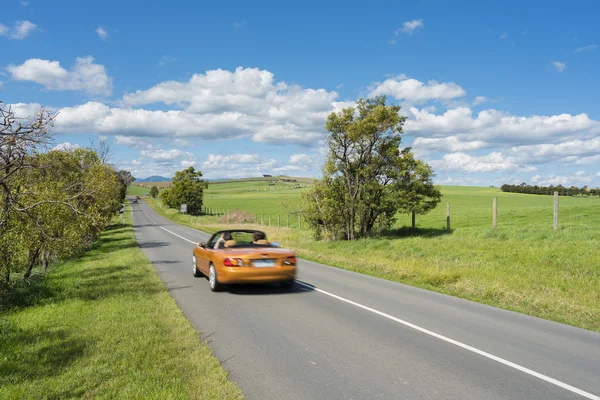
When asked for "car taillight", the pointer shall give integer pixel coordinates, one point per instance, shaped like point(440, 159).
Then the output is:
point(290, 261)
point(233, 262)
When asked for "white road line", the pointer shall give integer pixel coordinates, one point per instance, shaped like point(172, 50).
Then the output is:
point(181, 237)
point(444, 338)
point(459, 344)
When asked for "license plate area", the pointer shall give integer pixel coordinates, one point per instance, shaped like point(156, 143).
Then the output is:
point(267, 263)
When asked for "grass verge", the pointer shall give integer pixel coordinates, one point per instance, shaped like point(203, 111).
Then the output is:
point(104, 326)
point(555, 276)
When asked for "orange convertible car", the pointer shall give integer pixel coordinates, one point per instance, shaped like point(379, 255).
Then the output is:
point(243, 256)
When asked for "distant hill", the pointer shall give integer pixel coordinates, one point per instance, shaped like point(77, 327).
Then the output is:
point(154, 179)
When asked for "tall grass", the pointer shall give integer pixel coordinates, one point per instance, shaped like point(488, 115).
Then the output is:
point(104, 326)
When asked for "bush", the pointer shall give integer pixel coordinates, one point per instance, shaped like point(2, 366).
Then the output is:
point(237, 217)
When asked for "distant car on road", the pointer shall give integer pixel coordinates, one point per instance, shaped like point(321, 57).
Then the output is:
point(243, 256)
point(137, 197)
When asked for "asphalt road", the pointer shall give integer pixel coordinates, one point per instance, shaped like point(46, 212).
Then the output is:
point(343, 335)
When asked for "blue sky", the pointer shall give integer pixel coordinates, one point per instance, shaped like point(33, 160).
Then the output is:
point(494, 92)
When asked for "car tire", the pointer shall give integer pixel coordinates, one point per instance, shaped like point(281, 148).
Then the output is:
point(213, 279)
point(287, 284)
point(197, 273)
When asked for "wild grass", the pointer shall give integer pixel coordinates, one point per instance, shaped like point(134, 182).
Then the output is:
point(523, 265)
point(104, 326)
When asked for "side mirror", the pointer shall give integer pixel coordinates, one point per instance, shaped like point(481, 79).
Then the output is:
point(202, 244)
point(276, 244)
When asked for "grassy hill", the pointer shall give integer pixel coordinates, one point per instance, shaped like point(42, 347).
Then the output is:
point(523, 265)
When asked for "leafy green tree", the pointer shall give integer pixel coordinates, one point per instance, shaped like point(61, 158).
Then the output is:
point(187, 188)
point(417, 193)
point(366, 178)
point(154, 192)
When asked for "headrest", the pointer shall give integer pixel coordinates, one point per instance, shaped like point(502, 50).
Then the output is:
point(262, 241)
point(230, 243)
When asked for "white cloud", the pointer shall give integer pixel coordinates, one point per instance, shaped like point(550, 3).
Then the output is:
point(479, 100)
point(409, 27)
point(504, 36)
point(301, 159)
point(586, 48)
point(245, 102)
point(188, 163)
point(84, 75)
point(493, 162)
point(576, 179)
point(167, 155)
point(24, 3)
point(237, 25)
point(164, 60)
point(571, 152)
point(450, 143)
point(137, 142)
point(412, 90)
point(66, 146)
point(497, 126)
point(559, 66)
point(237, 165)
point(19, 31)
point(102, 33)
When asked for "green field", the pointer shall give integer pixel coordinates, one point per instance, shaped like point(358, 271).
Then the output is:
point(104, 326)
point(523, 265)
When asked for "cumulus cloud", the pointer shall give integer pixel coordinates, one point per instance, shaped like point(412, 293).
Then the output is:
point(504, 36)
point(479, 100)
point(66, 146)
point(572, 152)
point(493, 162)
point(559, 66)
point(102, 33)
point(409, 27)
point(167, 155)
point(414, 91)
point(19, 31)
point(83, 76)
point(497, 126)
point(450, 144)
point(579, 178)
point(249, 101)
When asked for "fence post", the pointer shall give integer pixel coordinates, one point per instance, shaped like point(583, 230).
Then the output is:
point(494, 212)
point(448, 216)
point(278, 221)
point(555, 211)
point(413, 220)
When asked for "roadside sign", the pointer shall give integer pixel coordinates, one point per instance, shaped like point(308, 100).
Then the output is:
point(183, 209)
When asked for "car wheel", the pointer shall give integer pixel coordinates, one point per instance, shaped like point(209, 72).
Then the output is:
point(213, 280)
point(287, 284)
point(196, 271)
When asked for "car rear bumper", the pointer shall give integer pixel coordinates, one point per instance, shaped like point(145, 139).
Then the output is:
point(233, 275)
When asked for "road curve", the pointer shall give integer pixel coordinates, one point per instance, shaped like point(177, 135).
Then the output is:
point(343, 335)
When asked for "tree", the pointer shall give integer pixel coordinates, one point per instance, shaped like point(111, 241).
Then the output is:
point(126, 179)
point(418, 194)
point(187, 188)
point(366, 178)
point(154, 192)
